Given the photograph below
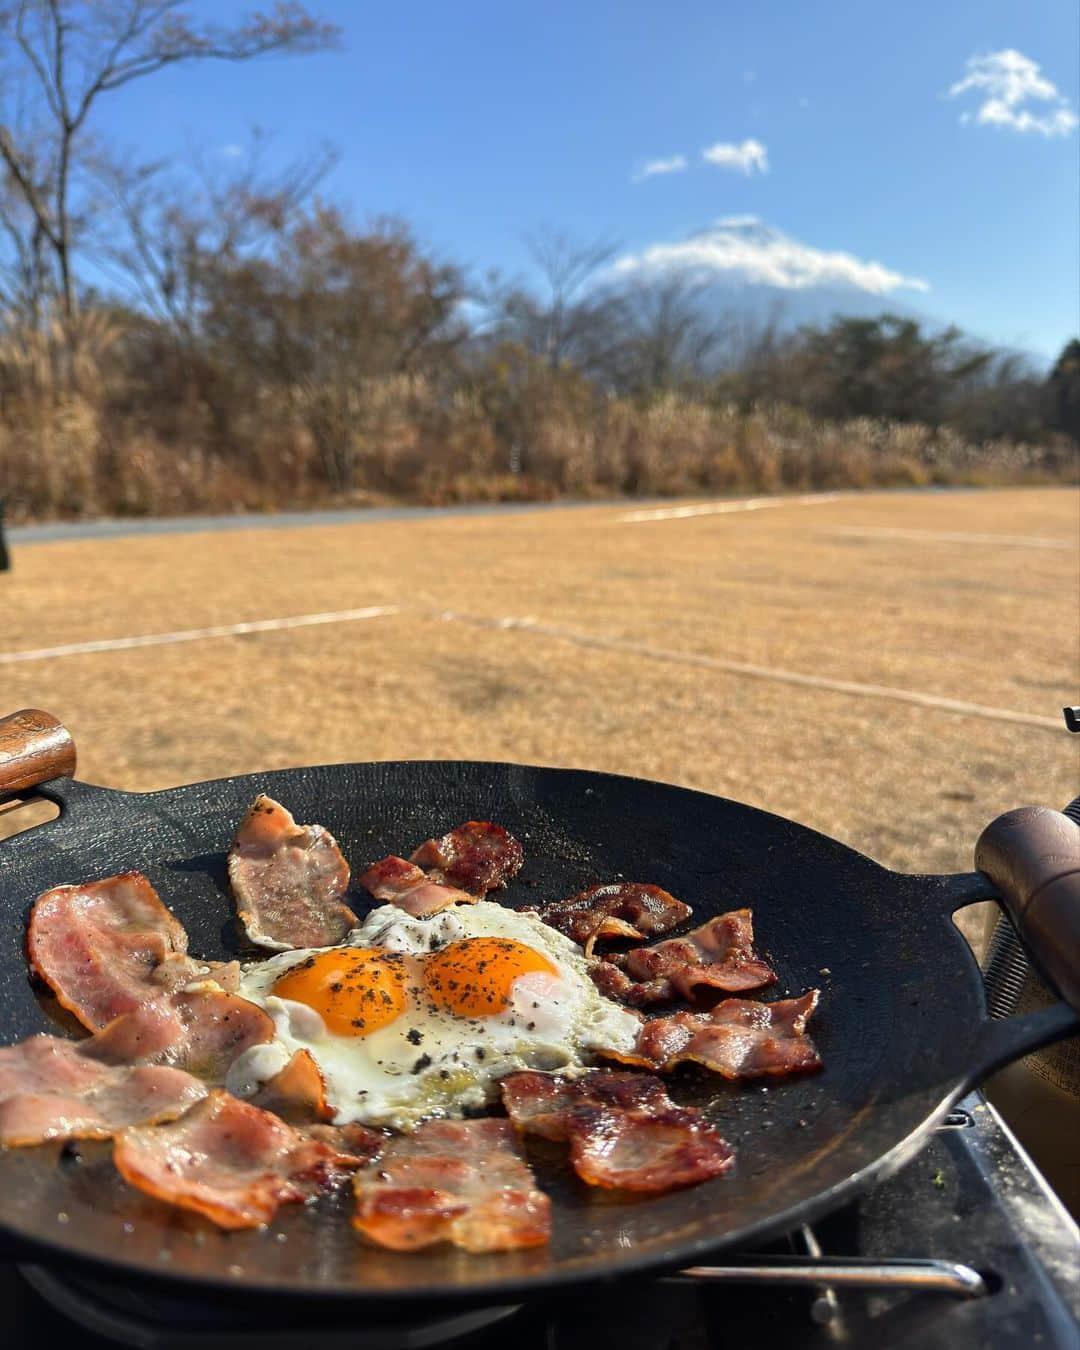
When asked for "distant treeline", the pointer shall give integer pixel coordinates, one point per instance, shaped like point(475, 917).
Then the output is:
point(216, 336)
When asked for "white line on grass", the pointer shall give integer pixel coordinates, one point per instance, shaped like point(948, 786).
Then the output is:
point(196, 634)
point(726, 508)
point(880, 691)
point(951, 536)
point(531, 625)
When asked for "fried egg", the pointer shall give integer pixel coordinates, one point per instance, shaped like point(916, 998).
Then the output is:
point(417, 1017)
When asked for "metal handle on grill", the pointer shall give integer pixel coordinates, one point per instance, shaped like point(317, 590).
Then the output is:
point(1032, 856)
point(34, 748)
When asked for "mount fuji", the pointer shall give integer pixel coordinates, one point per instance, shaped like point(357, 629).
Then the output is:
point(753, 272)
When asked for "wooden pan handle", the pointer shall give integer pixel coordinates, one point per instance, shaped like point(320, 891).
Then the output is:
point(1032, 855)
point(34, 748)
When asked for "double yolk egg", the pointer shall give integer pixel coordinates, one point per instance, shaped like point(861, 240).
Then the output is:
point(413, 1017)
point(358, 990)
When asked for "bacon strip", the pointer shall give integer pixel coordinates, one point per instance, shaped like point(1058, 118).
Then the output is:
point(288, 880)
point(202, 1031)
point(98, 945)
point(719, 955)
point(296, 1093)
point(408, 887)
point(57, 1089)
point(478, 857)
point(358, 1141)
point(228, 1161)
point(462, 1182)
point(739, 1038)
point(630, 909)
point(625, 1132)
point(458, 869)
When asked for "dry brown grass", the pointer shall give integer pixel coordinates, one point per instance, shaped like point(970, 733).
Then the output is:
point(786, 587)
point(106, 450)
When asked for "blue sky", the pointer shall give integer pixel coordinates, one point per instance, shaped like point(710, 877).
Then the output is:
point(479, 121)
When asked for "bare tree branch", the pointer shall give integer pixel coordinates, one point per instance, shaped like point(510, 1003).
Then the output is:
point(76, 51)
point(180, 226)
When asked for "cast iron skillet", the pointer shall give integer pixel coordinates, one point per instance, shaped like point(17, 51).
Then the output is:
point(902, 1027)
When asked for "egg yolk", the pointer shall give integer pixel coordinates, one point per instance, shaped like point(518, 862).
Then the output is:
point(355, 990)
point(473, 977)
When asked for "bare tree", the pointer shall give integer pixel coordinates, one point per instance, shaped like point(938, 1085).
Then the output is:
point(569, 309)
point(178, 227)
point(24, 269)
point(572, 316)
point(755, 355)
point(669, 335)
point(69, 53)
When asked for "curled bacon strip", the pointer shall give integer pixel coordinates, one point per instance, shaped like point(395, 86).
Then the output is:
point(56, 1089)
point(462, 1182)
point(739, 1038)
point(288, 880)
point(107, 947)
point(719, 955)
point(625, 1132)
point(410, 888)
point(631, 909)
point(460, 868)
point(98, 945)
point(478, 857)
point(229, 1161)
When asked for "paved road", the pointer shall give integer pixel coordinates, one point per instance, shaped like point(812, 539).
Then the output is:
point(284, 520)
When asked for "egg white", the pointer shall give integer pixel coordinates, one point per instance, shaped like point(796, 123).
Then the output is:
point(430, 1062)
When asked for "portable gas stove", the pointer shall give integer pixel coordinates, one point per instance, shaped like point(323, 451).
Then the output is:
point(966, 1246)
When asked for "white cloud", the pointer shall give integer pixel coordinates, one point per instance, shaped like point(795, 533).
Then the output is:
point(231, 151)
point(652, 167)
point(742, 249)
point(1007, 81)
point(748, 157)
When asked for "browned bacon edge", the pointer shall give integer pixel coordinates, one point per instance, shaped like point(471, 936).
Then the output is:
point(630, 909)
point(296, 1093)
point(624, 1131)
point(719, 955)
point(288, 880)
point(739, 1038)
point(462, 1182)
point(230, 1162)
point(477, 857)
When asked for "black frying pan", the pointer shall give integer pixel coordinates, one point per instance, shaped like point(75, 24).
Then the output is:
point(902, 1027)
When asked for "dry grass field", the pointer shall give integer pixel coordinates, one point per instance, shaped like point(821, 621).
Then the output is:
point(968, 596)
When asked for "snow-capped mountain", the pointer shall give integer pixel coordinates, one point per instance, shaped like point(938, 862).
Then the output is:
point(751, 270)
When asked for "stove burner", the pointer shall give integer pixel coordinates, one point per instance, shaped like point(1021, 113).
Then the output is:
point(152, 1321)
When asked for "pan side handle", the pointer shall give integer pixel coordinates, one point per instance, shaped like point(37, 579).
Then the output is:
point(1032, 857)
point(34, 748)
point(1000, 1042)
